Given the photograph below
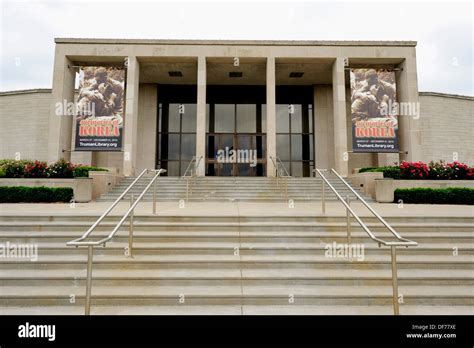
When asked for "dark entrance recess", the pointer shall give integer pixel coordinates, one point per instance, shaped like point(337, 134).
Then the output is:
point(236, 119)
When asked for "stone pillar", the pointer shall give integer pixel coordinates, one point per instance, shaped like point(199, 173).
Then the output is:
point(387, 159)
point(409, 131)
point(201, 117)
point(60, 123)
point(130, 131)
point(323, 127)
point(271, 115)
point(341, 156)
point(147, 118)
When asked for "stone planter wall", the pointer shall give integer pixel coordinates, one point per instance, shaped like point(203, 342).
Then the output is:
point(385, 188)
point(366, 181)
point(82, 187)
point(103, 182)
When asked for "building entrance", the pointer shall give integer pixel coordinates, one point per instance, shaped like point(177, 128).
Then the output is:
point(236, 135)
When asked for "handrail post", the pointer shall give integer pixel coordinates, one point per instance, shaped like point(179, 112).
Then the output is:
point(154, 197)
point(90, 253)
point(187, 189)
point(323, 200)
point(130, 230)
point(348, 220)
point(396, 308)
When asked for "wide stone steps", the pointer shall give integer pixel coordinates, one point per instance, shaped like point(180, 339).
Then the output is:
point(231, 189)
point(218, 264)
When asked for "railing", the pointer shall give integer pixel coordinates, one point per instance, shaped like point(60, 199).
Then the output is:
point(281, 175)
point(191, 177)
point(130, 214)
point(349, 211)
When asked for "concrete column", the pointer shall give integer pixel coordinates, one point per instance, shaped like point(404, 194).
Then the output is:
point(271, 115)
point(131, 117)
point(387, 159)
point(147, 118)
point(60, 123)
point(409, 125)
point(341, 156)
point(201, 116)
point(323, 126)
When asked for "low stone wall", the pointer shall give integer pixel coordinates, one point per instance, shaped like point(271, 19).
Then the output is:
point(103, 182)
point(82, 187)
point(366, 181)
point(385, 188)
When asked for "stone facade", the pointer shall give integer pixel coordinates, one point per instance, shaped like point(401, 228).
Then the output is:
point(445, 126)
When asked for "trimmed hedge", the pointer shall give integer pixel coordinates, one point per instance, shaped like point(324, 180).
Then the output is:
point(449, 195)
point(83, 171)
point(388, 171)
point(42, 194)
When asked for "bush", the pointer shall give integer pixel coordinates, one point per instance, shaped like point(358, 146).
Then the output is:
point(450, 195)
point(419, 170)
point(83, 171)
point(413, 170)
point(61, 169)
point(23, 194)
point(392, 172)
point(36, 169)
point(13, 168)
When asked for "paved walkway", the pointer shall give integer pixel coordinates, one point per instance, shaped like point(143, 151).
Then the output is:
point(238, 209)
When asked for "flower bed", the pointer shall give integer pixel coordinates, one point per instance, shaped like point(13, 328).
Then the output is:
point(421, 171)
point(61, 169)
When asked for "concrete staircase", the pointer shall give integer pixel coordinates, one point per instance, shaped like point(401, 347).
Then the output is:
point(228, 189)
point(237, 265)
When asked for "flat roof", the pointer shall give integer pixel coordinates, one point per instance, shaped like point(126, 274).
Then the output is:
point(423, 94)
point(231, 42)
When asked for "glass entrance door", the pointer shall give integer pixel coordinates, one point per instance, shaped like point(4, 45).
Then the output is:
point(235, 140)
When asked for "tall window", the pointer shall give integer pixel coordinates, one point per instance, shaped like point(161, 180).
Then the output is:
point(294, 138)
point(176, 137)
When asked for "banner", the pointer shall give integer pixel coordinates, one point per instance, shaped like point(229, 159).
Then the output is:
point(100, 109)
point(374, 111)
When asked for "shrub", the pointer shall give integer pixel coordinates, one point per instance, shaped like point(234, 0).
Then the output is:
point(413, 170)
point(83, 171)
point(36, 169)
point(392, 172)
point(369, 169)
point(13, 168)
point(23, 194)
point(450, 195)
point(61, 169)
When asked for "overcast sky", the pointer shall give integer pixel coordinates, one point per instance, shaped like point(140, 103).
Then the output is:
point(444, 31)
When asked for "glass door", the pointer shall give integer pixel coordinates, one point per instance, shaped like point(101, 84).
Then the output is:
point(235, 142)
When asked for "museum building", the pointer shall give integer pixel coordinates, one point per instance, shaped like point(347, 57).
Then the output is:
point(165, 102)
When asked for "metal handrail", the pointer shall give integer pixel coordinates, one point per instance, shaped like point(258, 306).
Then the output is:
point(402, 241)
point(92, 228)
point(380, 218)
point(189, 184)
point(129, 214)
point(276, 161)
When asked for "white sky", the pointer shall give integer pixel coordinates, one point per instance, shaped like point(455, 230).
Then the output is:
point(444, 31)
